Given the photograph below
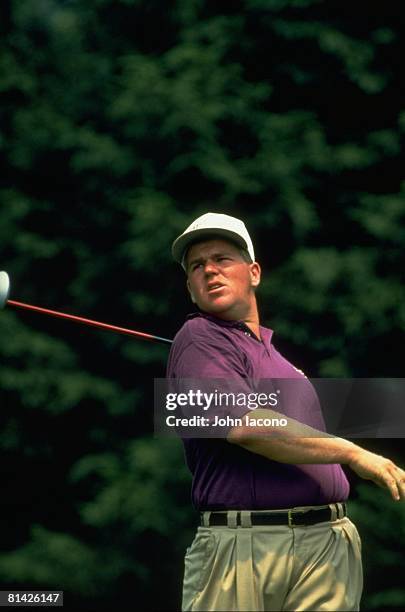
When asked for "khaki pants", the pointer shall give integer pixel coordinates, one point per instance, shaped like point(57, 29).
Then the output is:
point(315, 567)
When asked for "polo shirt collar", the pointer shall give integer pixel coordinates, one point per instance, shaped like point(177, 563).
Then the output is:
point(265, 332)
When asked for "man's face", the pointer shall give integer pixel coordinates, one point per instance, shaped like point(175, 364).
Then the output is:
point(220, 281)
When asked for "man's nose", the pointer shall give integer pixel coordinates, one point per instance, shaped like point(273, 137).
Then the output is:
point(210, 267)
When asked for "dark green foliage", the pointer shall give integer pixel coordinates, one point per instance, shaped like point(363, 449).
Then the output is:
point(381, 525)
point(121, 121)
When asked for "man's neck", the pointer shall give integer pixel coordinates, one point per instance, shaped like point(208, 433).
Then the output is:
point(250, 318)
point(255, 327)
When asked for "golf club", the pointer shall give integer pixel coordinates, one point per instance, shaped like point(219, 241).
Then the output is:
point(4, 293)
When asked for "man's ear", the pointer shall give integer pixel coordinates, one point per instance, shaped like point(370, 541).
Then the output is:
point(255, 274)
point(191, 293)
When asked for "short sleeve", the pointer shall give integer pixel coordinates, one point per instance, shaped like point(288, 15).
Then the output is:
point(218, 376)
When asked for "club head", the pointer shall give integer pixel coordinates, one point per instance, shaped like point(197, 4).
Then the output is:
point(4, 288)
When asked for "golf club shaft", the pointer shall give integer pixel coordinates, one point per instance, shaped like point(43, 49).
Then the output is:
point(75, 319)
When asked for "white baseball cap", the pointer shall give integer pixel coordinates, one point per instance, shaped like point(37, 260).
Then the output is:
point(208, 225)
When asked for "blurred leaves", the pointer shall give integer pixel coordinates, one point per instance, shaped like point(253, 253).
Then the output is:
point(380, 541)
point(135, 488)
point(54, 559)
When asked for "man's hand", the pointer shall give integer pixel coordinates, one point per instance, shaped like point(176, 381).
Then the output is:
point(301, 444)
point(380, 470)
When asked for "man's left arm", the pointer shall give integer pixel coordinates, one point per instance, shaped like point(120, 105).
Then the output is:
point(302, 444)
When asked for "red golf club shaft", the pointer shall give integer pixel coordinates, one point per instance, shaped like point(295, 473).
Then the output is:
point(114, 328)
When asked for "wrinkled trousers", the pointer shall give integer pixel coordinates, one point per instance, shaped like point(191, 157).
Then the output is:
point(313, 567)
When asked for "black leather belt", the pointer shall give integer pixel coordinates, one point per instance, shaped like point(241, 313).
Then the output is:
point(290, 518)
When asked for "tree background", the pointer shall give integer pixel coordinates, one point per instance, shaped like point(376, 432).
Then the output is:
point(121, 121)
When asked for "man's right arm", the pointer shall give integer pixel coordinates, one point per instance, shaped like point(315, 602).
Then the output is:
point(301, 444)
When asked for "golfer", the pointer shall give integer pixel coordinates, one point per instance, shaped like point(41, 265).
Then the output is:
point(274, 531)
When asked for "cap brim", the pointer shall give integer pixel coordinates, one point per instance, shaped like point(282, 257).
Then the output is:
point(183, 242)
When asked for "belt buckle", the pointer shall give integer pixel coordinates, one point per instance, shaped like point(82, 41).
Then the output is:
point(290, 517)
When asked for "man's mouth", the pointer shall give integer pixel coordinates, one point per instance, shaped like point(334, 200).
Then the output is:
point(215, 287)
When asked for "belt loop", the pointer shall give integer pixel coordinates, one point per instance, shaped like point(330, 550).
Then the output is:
point(245, 518)
point(334, 510)
point(232, 517)
point(341, 510)
point(206, 518)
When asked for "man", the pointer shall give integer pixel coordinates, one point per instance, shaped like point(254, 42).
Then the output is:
point(274, 533)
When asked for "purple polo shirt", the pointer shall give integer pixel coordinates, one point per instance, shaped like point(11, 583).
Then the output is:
point(227, 476)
